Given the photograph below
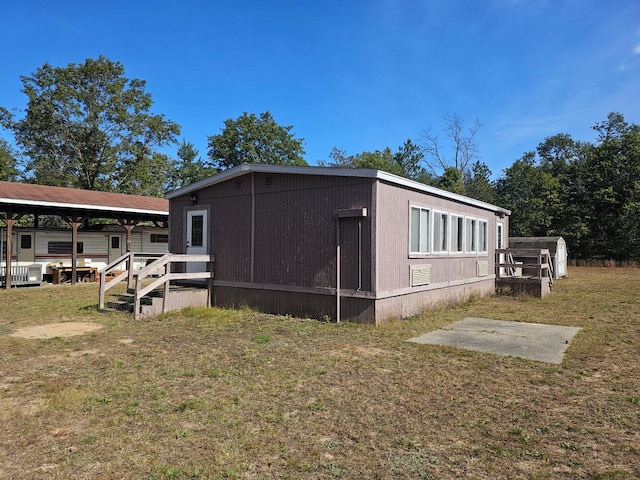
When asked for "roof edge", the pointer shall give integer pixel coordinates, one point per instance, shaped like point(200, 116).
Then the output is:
point(331, 171)
point(81, 206)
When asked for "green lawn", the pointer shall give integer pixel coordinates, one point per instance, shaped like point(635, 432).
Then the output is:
point(214, 393)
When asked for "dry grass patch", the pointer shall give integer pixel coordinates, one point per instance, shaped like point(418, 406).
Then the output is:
point(211, 393)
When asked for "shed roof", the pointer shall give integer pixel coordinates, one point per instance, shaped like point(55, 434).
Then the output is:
point(336, 172)
point(535, 239)
point(31, 198)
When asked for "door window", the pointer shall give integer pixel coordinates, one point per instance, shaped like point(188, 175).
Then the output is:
point(197, 230)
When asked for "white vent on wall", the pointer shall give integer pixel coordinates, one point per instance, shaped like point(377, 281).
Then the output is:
point(420, 275)
point(482, 268)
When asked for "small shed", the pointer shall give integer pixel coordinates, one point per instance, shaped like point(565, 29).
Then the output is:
point(557, 248)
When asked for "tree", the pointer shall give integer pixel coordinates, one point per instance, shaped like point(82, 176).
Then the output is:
point(190, 167)
point(477, 183)
point(462, 152)
point(409, 158)
point(90, 127)
point(611, 173)
point(8, 162)
point(251, 139)
point(563, 158)
point(405, 162)
point(531, 194)
point(451, 181)
point(378, 159)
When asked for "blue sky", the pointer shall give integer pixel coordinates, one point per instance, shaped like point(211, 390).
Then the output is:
point(358, 75)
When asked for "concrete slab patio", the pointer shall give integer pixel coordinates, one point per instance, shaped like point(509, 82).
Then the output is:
point(533, 341)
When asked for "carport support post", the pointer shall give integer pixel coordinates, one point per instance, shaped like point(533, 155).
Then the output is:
point(128, 227)
point(74, 250)
point(7, 272)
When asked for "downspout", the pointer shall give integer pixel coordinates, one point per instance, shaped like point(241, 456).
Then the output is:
point(338, 267)
point(359, 255)
point(253, 228)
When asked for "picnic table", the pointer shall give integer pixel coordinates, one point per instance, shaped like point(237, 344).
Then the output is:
point(63, 273)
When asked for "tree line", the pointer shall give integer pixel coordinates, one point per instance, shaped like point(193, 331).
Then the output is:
point(88, 126)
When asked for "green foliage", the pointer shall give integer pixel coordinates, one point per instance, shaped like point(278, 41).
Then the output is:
point(405, 162)
point(477, 183)
point(587, 193)
point(451, 180)
point(190, 167)
point(612, 178)
point(251, 139)
point(531, 194)
point(8, 163)
point(90, 127)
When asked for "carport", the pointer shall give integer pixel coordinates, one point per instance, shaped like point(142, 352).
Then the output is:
point(74, 206)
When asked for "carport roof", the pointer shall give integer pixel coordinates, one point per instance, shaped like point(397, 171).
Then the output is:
point(42, 199)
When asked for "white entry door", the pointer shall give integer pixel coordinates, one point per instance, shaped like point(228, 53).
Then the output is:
point(197, 238)
point(26, 248)
point(115, 247)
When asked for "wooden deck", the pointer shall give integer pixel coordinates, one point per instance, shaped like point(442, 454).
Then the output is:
point(524, 270)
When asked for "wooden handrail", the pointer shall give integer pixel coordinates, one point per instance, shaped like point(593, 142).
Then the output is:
point(162, 266)
point(543, 266)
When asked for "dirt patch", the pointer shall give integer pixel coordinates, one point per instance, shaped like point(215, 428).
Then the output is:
point(51, 330)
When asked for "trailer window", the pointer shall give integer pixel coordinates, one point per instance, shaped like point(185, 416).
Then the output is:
point(440, 232)
point(25, 242)
point(419, 230)
point(64, 248)
point(457, 233)
point(483, 236)
point(159, 238)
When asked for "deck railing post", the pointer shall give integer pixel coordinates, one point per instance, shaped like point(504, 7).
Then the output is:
point(212, 261)
point(130, 270)
point(103, 277)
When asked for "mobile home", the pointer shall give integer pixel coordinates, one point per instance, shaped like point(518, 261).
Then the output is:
point(52, 249)
point(95, 247)
point(356, 244)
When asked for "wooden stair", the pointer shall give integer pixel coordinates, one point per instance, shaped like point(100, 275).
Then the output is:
point(152, 304)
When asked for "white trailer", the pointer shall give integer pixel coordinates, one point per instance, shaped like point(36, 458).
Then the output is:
point(96, 247)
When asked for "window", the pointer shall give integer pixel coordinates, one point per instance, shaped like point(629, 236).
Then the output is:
point(483, 236)
point(159, 238)
point(25, 242)
point(419, 230)
point(471, 226)
point(440, 232)
point(63, 248)
point(197, 231)
point(115, 242)
point(457, 234)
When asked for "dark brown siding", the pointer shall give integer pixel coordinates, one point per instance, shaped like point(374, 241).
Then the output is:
point(304, 305)
point(295, 230)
